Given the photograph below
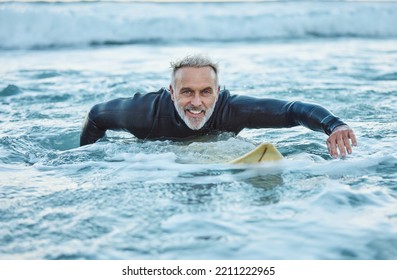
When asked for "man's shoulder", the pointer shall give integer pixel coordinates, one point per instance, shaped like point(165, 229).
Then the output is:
point(224, 92)
point(152, 94)
point(226, 98)
point(143, 99)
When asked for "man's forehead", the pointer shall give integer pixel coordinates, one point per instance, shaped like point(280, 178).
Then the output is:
point(194, 72)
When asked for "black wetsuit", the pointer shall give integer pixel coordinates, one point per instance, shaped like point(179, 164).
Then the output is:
point(153, 116)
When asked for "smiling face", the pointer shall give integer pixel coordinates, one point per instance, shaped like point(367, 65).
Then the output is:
point(195, 92)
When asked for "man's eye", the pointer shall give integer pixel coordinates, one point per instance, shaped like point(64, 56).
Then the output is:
point(206, 92)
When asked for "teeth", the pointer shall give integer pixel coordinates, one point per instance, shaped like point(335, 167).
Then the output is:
point(195, 112)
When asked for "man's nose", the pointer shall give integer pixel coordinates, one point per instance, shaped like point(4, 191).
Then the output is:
point(196, 101)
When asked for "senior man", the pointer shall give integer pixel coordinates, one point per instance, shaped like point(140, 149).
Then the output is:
point(194, 105)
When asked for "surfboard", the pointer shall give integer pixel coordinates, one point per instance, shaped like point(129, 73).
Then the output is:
point(264, 152)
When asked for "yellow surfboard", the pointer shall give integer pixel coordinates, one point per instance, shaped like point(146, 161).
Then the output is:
point(264, 152)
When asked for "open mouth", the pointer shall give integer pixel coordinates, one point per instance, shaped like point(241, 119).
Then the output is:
point(195, 113)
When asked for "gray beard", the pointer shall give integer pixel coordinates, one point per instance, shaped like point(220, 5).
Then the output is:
point(194, 123)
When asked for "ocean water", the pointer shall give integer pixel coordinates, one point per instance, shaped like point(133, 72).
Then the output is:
point(123, 198)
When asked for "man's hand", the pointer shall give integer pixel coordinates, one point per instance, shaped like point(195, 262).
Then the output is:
point(340, 140)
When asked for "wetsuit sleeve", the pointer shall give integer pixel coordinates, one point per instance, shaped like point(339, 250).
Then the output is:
point(274, 113)
point(115, 115)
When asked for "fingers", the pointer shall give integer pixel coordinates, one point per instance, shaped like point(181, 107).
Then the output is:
point(329, 147)
point(331, 144)
point(346, 143)
point(340, 141)
point(352, 136)
point(341, 146)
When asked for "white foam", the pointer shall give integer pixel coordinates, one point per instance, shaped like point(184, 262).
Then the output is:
point(29, 25)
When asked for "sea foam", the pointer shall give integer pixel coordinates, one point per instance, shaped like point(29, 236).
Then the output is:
point(43, 25)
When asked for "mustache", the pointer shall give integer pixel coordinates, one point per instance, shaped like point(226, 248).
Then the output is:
point(194, 108)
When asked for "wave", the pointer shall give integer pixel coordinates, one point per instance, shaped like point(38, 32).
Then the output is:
point(9, 90)
point(44, 25)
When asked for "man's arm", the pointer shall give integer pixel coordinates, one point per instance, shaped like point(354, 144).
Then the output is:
point(274, 113)
point(340, 134)
point(115, 114)
point(91, 132)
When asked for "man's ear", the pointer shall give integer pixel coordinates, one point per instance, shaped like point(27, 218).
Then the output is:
point(219, 89)
point(172, 92)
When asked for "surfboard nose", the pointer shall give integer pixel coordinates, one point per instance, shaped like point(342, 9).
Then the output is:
point(264, 152)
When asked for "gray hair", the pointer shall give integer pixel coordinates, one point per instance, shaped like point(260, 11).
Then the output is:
point(197, 61)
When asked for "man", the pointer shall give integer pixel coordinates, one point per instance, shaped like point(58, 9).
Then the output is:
point(194, 106)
